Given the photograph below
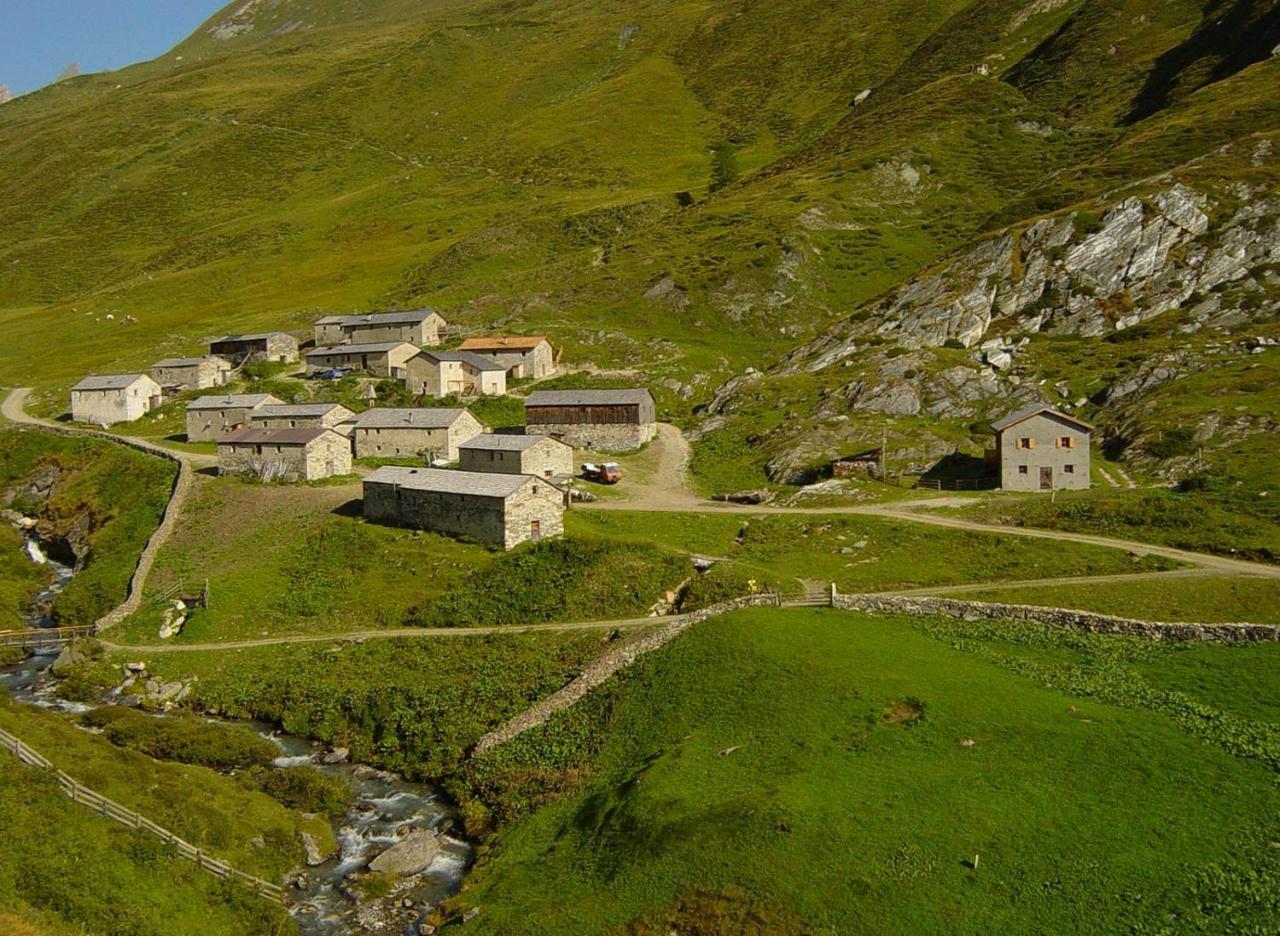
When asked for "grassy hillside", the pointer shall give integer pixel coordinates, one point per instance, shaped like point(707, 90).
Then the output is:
point(793, 772)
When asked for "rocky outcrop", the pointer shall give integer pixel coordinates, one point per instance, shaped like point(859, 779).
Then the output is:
point(5, 94)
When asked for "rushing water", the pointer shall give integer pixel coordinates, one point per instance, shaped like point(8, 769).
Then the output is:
point(385, 808)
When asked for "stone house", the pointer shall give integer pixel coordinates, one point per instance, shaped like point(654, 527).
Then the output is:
point(434, 434)
point(211, 416)
point(520, 355)
point(114, 398)
point(1040, 449)
point(541, 456)
point(263, 346)
point(445, 373)
point(604, 420)
point(300, 416)
point(192, 373)
point(381, 359)
point(284, 454)
point(421, 328)
point(504, 509)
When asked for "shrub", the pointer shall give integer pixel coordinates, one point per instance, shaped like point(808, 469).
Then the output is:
point(1180, 440)
point(303, 788)
point(185, 739)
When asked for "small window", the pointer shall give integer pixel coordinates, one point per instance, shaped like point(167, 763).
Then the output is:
point(1022, 469)
point(1066, 442)
point(1026, 442)
point(1068, 469)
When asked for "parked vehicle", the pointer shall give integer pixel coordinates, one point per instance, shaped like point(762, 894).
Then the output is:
point(332, 374)
point(606, 473)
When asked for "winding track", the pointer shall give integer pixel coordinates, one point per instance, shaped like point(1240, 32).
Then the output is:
point(669, 493)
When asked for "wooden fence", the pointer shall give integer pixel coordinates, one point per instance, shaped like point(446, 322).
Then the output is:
point(42, 638)
point(127, 817)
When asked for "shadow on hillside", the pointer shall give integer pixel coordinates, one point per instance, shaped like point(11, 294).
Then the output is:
point(353, 508)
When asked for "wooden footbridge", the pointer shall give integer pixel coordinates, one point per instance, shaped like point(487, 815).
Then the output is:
point(43, 638)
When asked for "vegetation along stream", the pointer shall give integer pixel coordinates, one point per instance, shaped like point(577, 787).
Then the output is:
point(427, 866)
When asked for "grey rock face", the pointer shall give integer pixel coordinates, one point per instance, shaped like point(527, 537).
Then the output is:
point(409, 856)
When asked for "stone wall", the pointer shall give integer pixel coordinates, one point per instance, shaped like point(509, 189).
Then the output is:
point(539, 502)
point(603, 667)
point(409, 442)
point(1055, 617)
point(601, 437)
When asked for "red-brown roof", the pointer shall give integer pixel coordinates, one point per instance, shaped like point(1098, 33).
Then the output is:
point(503, 343)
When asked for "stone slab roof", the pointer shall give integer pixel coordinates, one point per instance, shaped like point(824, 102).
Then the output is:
point(627, 397)
point(232, 401)
point(423, 418)
point(375, 347)
point(447, 481)
point(109, 381)
point(272, 436)
point(187, 361)
point(256, 336)
point(477, 361)
point(501, 442)
point(1035, 409)
point(278, 410)
point(503, 343)
point(381, 318)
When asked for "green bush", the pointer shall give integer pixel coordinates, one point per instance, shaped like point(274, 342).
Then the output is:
point(301, 788)
point(1180, 440)
point(185, 739)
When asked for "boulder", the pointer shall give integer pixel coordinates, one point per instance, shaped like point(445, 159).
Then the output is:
point(311, 848)
point(337, 756)
point(410, 856)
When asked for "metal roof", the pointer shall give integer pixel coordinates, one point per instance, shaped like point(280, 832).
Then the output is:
point(273, 436)
point(479, 362)
point(631, 396)
point(375, 347)
point(503, 343)
point(232, 401)
point(381, 318)
point(110, 381)
point(501, 442)
point(279, 410)
point(447, 481)
point(1034, 410)
point(436, 418)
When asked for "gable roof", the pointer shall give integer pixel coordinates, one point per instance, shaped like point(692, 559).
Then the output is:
point(503, 343)
point(630, 396)
point(297, 409)
point(423, 418)
point(189, 361)
point(274, 436)
point(232, 401)
point(373, 347)
point(1036, 409)
point(256, 336)
point(110, 381)
point(381, 318)
point(447, 481)
point(479, 362)
point(501, 442)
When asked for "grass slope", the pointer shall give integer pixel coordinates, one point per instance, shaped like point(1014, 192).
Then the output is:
point(799, 772)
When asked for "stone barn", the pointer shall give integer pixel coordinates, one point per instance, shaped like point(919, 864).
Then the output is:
point(446, 373)
point(504, 509)
point(114, 398)
point(193, 373)
point(284, 454)
point(300, 416)
point(520, 355)
point(433, 434)
point(381, 359)
point(541, 456)
point(211, 416)
point(604, 420)
point(1040, 449)
point(421, 328)
point(263, 346)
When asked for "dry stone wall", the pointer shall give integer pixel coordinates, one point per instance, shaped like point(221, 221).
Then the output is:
point(1056, 617)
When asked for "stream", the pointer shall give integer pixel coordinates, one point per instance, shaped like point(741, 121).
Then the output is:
point(384, 810)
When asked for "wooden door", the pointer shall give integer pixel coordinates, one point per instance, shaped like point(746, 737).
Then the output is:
point(535, 530)
point(1046, 479)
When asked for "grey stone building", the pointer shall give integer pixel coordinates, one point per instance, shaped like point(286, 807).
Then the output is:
point(381, 359)
point(433, 434)
point(262, 346)
point(604, 420)
point(114, 398)
point(284, 454)
point(211, 416)
point(462, 373)
point(520, 355)
point(191, 373)
point(541, 456)
point(300, 416)
point(1040, 449)
point(504, 509)
point(421, 328)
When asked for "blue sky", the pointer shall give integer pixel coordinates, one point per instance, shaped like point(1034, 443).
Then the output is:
point(39, 38)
